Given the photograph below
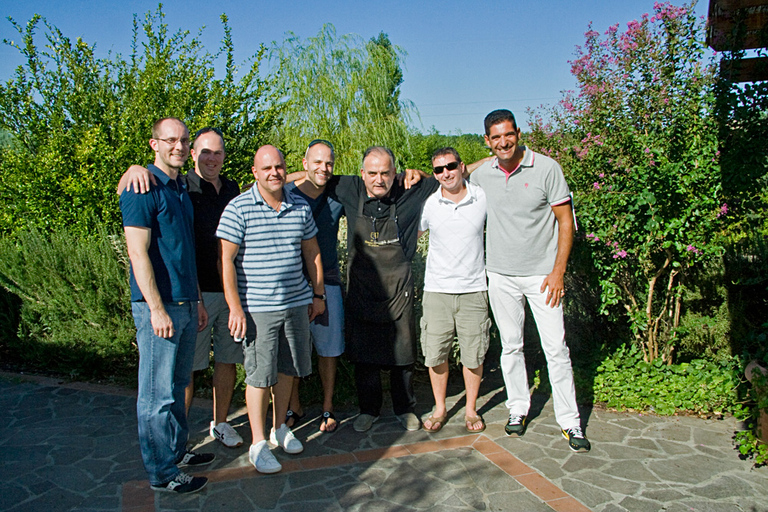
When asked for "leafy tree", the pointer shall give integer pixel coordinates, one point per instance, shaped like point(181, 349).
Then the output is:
point(471, 147)
point(343, 89)
point(639, 143)
point(77, 121)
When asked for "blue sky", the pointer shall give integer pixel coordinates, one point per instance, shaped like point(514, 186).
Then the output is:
point(464, 58)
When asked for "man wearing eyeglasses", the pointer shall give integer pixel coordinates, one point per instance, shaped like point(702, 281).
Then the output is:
point(165, 302)
point(210, 193)
point(455, 292)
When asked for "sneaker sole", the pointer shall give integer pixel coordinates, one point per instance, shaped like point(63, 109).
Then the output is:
point(268, 471)
point(199, 465)
point(221, 440)
point(277, 445)
point(576, 450)
point(354, 427)
point(516, 434)
point(171, 491)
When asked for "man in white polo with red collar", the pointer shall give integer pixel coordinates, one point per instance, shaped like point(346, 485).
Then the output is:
point(529, 237)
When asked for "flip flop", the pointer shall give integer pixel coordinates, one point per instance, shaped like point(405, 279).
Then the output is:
point(471, 420)
point(293, 415)
point(434, 420)
point(327, 415)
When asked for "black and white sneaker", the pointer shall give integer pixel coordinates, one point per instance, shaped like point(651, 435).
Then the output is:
point(196, 459)
point(516, 425)
point(182, 483)
point(577, 441)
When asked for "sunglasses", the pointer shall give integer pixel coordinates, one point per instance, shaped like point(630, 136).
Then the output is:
point(320, 141)
point(450, 167)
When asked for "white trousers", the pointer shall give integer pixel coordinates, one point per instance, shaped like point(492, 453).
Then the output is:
point(507, 296)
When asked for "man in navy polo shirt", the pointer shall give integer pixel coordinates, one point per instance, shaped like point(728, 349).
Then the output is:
point(166, 309)
point(328, 328)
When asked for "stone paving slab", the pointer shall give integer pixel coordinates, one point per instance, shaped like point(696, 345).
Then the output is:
point(72, 446)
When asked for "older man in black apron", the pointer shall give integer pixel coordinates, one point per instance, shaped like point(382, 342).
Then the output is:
point(380, 326)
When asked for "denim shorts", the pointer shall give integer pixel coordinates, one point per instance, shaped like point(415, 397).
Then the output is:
point(329, 338)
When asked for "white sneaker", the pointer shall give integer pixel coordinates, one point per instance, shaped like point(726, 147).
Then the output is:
point(262, 459)
point(226, 434)
point(284, 438)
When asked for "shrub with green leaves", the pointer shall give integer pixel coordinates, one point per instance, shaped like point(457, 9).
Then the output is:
point(75, 315)
point(638, 142)
point(624, 380)
point(76, 122)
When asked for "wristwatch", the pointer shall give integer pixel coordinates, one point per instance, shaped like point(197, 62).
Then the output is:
point(319, 296)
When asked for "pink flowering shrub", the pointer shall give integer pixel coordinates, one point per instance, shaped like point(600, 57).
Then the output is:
point(638, 142)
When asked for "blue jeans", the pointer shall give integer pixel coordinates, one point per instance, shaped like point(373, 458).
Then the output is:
point(165, 366)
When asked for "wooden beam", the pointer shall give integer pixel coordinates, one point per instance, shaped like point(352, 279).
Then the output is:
point(747, 17)
point(730, 5)
point(754, 69)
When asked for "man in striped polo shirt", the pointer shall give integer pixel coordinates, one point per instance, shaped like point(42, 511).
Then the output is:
point(264, 234)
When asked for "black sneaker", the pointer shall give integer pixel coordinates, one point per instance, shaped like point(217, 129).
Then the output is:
point(577, 441)
point(196, 459)
point(182, 484)
point(516, 425)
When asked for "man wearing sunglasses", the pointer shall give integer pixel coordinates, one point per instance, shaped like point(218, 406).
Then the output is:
point(455, 291)
point(529, 238)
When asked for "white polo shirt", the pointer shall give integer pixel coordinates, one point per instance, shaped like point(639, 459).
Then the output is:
point(455, 261)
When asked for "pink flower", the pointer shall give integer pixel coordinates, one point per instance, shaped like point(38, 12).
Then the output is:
point(723, 210)
point(596, 186)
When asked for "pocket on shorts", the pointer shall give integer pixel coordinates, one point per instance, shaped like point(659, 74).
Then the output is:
point(484, 340)
point(423, 335)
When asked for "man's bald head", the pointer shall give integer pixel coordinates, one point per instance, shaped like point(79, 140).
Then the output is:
point(269, 170)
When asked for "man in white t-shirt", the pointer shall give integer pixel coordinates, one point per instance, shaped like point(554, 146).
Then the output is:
point(455, 291)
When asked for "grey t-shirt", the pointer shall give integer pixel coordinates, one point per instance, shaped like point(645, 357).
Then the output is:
point(521, 237)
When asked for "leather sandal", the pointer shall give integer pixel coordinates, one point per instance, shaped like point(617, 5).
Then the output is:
point(471, 420)
point(437, 423)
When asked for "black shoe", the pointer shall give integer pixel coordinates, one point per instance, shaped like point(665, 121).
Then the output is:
point(182, 484)
point(196, 459)
point(516, 425)
point(577, 441)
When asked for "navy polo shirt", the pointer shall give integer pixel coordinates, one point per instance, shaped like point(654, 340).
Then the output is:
point(167, 211)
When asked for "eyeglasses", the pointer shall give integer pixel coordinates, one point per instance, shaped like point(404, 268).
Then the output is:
point(449, 167)
point(320, 141)
point(173, 141)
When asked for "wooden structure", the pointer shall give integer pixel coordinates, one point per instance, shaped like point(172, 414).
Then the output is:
point(735, 25)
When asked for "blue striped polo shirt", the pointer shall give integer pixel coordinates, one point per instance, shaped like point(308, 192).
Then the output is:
point(268, 263)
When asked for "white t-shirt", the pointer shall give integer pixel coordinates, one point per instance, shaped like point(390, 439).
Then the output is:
point(455, 261)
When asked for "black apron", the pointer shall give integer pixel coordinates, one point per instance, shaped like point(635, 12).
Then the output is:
point(380, 324)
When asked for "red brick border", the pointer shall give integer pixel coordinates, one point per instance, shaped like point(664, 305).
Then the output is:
point(138, 497)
